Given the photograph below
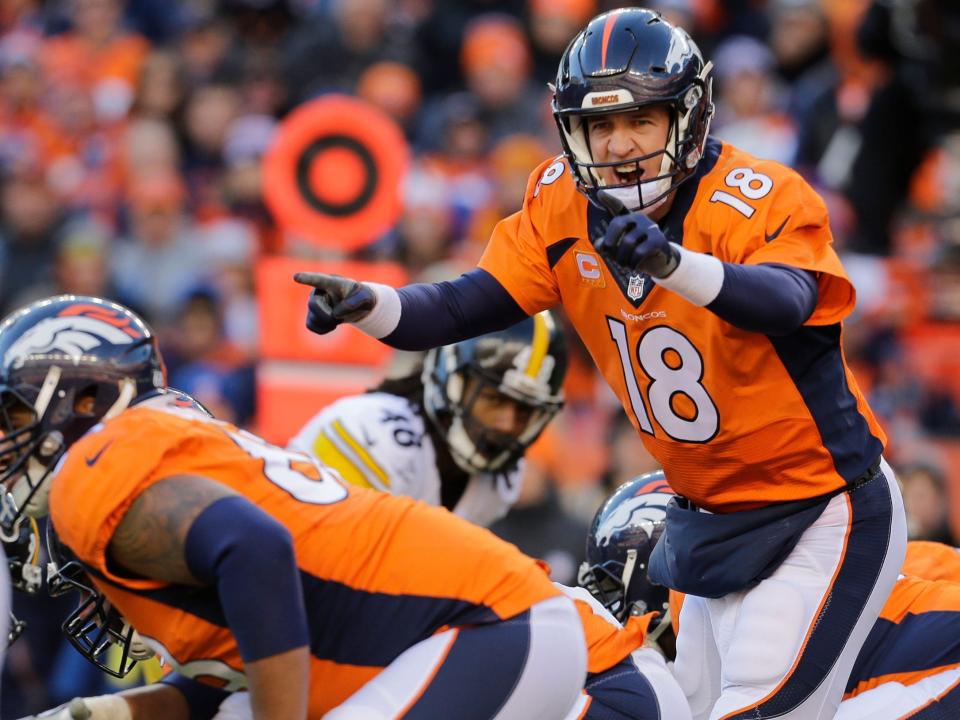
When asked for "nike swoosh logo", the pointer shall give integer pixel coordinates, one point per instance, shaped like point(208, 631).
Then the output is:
point(91, 461)
point(773, 236)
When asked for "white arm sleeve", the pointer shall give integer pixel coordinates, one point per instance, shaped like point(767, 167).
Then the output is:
point(385, 316)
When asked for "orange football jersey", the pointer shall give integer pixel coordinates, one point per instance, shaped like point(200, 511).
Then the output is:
point(737, 419)
point(608, 644)
point(915, 636)
point(379, 572)
point(932, 561)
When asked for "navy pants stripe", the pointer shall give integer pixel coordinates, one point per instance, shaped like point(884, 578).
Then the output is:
point(621, 693)
point(867, 543)
point(945, 707)
point(500, 649)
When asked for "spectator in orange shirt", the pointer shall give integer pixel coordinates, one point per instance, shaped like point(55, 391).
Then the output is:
point(28, 135)
point(99, 55)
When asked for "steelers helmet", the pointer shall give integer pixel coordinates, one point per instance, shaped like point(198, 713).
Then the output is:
point(526, 363)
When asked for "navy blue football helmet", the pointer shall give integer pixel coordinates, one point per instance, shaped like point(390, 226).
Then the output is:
point(621, 539)
point(622, 60)
point(526, 362)
point(66, 363)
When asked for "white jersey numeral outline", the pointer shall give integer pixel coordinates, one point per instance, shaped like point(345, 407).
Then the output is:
point(667, 381)
point(278, 468)
point(745, 180)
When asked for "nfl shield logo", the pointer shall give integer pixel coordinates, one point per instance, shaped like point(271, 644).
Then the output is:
point(635, 287)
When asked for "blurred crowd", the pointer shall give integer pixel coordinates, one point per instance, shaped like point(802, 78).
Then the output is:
point(131, 143)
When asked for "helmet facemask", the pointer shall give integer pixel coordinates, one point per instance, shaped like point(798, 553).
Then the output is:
point(27, 453)
point(95, 628)
point(26, 574)
point(30, 450)
point(608, 583)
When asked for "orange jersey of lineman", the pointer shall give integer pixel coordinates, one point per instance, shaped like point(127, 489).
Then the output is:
point(379, 572)
point(932, 561)
point(916, 636)
point(737, 419)
point(608, 642)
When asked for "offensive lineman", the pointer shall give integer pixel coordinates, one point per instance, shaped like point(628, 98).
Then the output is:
point(249, 567)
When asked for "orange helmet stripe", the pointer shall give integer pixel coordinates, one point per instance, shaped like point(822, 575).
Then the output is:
point(607, 30)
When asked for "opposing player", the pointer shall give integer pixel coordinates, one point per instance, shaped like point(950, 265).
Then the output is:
point(704, 283)
point(453, 431)
point(246, 566)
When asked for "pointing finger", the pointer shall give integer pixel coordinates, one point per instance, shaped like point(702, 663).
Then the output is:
point(313, 279)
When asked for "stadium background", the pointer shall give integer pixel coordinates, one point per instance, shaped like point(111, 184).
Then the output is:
point(132, 146)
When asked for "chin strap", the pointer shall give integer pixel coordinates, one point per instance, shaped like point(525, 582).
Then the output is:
point(628, 567)
point(128, 388)
point(45, 395)
point(665, 621)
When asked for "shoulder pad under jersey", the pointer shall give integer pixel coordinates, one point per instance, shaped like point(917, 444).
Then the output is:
point(375, 440)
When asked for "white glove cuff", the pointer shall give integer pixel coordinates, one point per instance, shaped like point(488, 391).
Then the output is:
point(385, 316)
point(108, 707)
point(698, 277)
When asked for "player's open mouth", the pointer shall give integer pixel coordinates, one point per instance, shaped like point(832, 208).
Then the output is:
point(627, 173)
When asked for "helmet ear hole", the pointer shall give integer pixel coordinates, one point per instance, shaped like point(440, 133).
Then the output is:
point(85, 400)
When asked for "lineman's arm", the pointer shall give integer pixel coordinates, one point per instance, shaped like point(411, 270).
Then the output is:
point(152, 701)
point(414, 317)
point(190, 530)
point(173, 698)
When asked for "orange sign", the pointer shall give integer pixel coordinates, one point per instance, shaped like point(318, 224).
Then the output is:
point(289, 394)
point(332, 175)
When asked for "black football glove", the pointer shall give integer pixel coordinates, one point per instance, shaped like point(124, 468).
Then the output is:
point(335, 300)
point(635, 242)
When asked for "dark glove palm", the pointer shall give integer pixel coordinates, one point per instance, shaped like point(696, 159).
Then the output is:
point(335, 300)
point(637, 243)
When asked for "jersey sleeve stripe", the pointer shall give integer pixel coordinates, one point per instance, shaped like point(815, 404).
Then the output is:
point(361, 453)
point(538, 349)
point(325, 449)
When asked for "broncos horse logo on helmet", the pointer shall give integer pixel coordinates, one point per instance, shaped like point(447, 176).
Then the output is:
point(66, 363)
point(622, 536)
point(623, 60)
